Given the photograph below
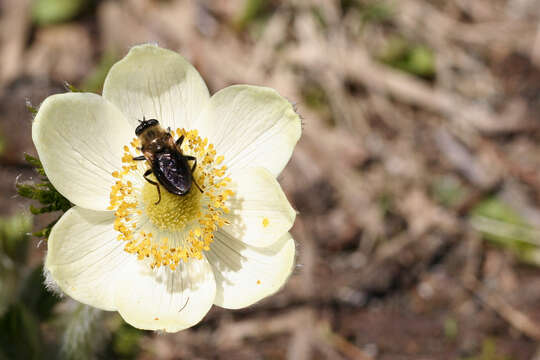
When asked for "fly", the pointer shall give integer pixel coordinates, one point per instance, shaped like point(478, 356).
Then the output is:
point(165, 159)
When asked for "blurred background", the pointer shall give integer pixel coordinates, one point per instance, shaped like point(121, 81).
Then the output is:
point(417, 178)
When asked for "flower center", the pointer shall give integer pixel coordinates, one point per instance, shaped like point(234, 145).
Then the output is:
point(173, 212)
point(177, 227)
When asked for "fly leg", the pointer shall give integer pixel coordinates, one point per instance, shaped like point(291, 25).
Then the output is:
point(148, 172)
point(188, 157)
point(179, 141)
point(139, 158)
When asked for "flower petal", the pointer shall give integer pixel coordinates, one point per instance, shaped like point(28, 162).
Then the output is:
point(79, 139)
point(260, 212)
point(156, 83)
point(244, 274)
point(84, 257)
point(162, 299)
point(251, 126)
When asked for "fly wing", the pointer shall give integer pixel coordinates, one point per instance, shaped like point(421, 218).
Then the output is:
point(173, 172)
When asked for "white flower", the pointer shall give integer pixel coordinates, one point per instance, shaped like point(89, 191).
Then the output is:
point(163, 266)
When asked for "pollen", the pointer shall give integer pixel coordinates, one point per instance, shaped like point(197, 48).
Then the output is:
point(173, 212)
point(189, 221)
point(265, 222)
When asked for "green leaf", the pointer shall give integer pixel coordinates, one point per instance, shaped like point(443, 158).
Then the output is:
point(501, 224)
point(35, 163)
point(14, 236)
point(46, 12)
point(33, 110)
point(489, 351)
point(451, 329)
point(20, 336)
point(70, 87)
point(314, 96)
point(415, 59)
point(45, 193)
point(253, 11)
point(496, 209)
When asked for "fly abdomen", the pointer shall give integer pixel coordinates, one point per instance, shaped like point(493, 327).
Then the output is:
point(173, 172)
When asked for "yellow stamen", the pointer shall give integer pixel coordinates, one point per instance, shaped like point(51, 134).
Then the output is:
point(173, 212)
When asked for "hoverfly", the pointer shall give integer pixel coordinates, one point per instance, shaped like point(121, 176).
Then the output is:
point(165, 158)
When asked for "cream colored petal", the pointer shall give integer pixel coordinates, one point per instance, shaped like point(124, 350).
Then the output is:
point(251, 126)
point(260, 213)
point(245, 274)
point(156, 83)
point(162, 299)
point(79, 139)
point(84, 257)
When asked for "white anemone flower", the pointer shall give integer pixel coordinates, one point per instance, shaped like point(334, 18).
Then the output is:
point(162, 266)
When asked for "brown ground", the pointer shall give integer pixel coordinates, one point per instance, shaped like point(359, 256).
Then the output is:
point(389, 171)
